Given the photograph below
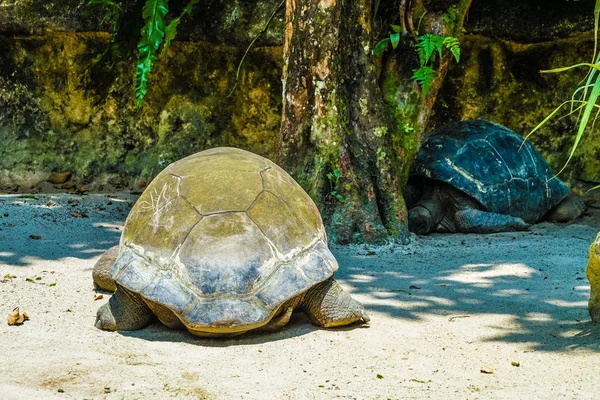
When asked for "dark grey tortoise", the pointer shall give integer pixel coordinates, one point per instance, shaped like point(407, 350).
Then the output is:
point(220, 243)
point(478, 176)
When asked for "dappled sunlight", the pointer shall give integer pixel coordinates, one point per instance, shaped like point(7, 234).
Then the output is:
point(58, 226)
point(538, 317)
point(487, 273)
point(522, 287)
point(565, 303)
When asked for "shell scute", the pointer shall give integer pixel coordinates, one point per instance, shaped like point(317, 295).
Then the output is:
point(284, 283)
point(492, 164)
point(287, 230)
point(222, 238)
point(165, 288)
point(281, 184)
point(225, 312)
point(227, 254)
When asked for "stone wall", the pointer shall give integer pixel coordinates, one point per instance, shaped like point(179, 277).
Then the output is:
point(64, 108)
point(59, 112)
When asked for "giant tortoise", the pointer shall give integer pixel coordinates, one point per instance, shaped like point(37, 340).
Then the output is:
point(478, 176)
point(220, 243)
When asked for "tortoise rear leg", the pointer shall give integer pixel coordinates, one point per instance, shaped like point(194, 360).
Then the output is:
point(329, 306)
point(278, 321)
point(124, 311)
point(567, 210)
point(477, 221)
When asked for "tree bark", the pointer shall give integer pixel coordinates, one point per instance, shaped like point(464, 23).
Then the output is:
point(339, 139)
point(410, 108)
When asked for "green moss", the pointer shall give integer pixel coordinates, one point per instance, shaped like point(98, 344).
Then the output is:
point(51, 119)
point(404, 138)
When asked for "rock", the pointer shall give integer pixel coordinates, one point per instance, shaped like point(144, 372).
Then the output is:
point(59, 177)
point(593, 275)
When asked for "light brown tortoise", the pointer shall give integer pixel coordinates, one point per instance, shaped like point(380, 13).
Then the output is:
point(220, 243)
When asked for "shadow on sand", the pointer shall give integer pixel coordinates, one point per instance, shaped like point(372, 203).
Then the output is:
point(55, 226)
point(536, 279)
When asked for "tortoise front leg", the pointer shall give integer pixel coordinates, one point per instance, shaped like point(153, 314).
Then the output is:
point(101, 271)
point(471, 220)
point(428, 212)
point(329, 306)
point(124, 311)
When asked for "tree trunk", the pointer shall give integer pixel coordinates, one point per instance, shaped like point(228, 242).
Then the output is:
point(410, 108)
point(339, 138)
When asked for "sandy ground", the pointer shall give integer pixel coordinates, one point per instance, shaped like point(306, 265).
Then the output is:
point(444, 309)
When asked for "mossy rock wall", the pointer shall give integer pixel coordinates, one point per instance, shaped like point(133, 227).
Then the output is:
point(218, 21)
point(55, 115)
point(499, 80)
point(506, 44)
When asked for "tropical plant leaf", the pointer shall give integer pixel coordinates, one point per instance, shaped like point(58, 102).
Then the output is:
point(376, 8)
point(395, 39)
point(427, 45)
point(452, 44)
point(171, 29)
point(152, 35)
point(381, 46)
point(424, 77)
point(591, 102)
point(396, 28)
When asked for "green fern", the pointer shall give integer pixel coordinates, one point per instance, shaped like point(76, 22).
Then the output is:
point(114, 11)
point(450, 17)
point(452, 44)
point(424, 77)
point(171, 29)
point(427, 45)
point(153, 33)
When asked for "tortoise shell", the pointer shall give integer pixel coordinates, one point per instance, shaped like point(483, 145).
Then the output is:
point(492, 164)
point(223, 238)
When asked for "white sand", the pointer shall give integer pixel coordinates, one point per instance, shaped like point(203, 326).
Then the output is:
point(477, 302)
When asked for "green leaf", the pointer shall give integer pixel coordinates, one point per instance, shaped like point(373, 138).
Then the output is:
point(152, 35)
point(109, 3)
point(381, 46)
point(424, 77)
point(171, 29)
point(452, 44)
point(376, 8)
point(450, 16)
point(395, 39)
point(396, 28)
point(427, 45)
